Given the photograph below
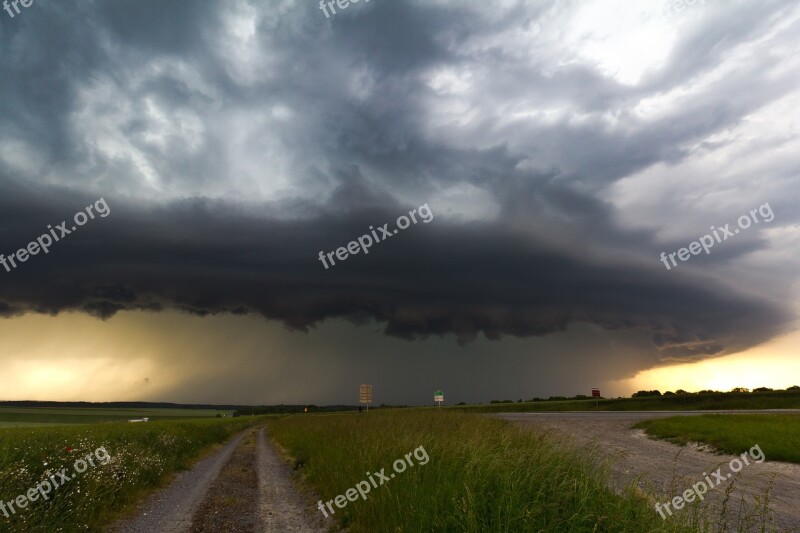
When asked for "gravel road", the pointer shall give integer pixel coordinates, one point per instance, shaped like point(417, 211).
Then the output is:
point(171, 510)
point(201, 499)
point(282, 507)
point(668, 469)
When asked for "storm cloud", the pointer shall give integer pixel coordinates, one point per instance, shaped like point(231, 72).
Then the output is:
point(235, 141)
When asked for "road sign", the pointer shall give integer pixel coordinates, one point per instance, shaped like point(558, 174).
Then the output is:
point(438, 397)
point(595, 393)
point(365, 394)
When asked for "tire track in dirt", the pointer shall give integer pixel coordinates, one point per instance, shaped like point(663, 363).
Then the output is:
point(171, 510)
point(244, 486)
point(231, 504)
point(283, 507)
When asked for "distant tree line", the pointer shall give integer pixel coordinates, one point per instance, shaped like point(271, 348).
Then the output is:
point(655, 393)
point(279, 409)
point(735, 390)
point(550, 399)
point(117, 405)
point(310, 408)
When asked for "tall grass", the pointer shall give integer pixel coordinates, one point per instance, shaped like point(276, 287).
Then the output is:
point(484, 475)
point(777, 435)
point(142, 456)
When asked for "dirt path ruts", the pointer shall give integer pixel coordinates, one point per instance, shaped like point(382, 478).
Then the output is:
point(283, 508)
point(209, 497)
point(670, 469)
point(231, 504)
point(171, 510)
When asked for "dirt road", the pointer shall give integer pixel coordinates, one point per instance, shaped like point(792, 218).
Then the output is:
point(668, 470)
point(242, 487)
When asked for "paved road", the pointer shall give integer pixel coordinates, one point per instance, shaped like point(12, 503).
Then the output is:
point(668, 470)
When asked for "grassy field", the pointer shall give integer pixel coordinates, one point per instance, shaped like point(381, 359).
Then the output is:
point(688, 402)
point(141, 457)
point(483, 475)
point(777, 435)
point(45, 416)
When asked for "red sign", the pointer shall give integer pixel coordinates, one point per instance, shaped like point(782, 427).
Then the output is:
point(595, 393)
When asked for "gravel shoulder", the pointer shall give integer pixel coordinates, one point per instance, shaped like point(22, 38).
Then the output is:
point(666, 470)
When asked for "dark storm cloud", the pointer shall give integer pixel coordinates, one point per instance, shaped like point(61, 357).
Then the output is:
point(364, 128)
point(434, 278)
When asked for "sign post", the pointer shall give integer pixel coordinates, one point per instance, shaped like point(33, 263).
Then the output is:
point(365, 394)
point(596, 394)
point(438, 397)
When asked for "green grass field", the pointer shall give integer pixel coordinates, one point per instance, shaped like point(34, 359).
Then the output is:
point(46, 416)
point(483, 475)
point(688, 402)
point(777, 435)
point(142, 457)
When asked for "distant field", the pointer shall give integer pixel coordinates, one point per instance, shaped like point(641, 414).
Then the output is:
point(688, 402)
point(778, 436)
point(47, 416)
point(142, 456)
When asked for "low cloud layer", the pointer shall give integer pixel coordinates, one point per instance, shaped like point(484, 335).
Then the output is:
point(435, 278)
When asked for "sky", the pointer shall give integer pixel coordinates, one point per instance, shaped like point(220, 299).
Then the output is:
point(259, 202)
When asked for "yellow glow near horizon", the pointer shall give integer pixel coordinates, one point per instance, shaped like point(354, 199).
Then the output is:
point(75, 357)
point(67, 379)
point(178, 357)
point(774, 364)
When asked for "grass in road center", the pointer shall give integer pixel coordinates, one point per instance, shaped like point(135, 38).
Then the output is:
point(483, 475)
point(777, 435)
point(232, 501)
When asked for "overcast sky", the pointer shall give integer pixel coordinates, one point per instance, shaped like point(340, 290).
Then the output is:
point(560, 147)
